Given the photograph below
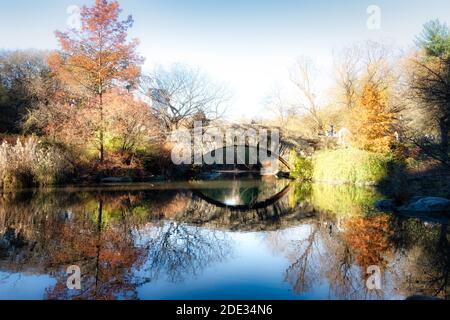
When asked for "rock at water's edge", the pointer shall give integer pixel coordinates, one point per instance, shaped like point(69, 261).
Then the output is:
point(427, 205)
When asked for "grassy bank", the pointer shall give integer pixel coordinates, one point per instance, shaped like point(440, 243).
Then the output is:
point(351, 166)
point(29, 162)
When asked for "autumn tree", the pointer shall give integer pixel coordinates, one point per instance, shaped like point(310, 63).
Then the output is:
point(362, 63)
point(372, 121)
point(129, 122)
point(97, 58)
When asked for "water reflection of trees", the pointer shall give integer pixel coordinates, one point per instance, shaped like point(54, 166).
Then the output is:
point(177, 250)
point(123, 239)
point(425, 249)
point(302, 272)
point(106, 235)
point(63, 230)
point(319, 255)
point(413, 257)
point(345, 238)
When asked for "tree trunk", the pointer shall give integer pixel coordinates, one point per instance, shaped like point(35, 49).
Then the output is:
point(102, 131)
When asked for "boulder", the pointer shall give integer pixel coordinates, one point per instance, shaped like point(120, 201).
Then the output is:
point(427, 205)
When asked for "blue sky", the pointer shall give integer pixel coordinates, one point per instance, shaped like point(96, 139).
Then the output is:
point(247, 44)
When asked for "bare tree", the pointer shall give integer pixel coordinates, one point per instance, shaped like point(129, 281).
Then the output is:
point(181, 94)
point(302, 76)
point(377, 63)
point(279, 107)
point(348, 68)
point(369, 61)
point(430, 85)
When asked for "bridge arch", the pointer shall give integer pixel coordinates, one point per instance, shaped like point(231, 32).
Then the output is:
point(247, 147)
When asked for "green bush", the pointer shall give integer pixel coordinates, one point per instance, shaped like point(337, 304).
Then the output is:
point(302, 167)
point(351, 166)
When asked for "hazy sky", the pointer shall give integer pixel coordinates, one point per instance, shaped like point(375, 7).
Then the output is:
point(248, 44)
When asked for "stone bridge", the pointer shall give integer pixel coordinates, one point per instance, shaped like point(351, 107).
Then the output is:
point(261, 138)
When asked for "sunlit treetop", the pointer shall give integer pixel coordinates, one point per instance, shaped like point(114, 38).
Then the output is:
point(98, 56)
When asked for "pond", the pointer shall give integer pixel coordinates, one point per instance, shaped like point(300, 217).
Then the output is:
point(229, 238)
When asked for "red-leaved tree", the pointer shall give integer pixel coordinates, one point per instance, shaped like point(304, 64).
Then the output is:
point(97, 58)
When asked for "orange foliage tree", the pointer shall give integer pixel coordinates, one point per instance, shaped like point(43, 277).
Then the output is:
point(372, 122)
point(97, 58)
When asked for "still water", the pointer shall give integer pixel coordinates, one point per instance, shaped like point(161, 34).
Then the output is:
point(233, 238)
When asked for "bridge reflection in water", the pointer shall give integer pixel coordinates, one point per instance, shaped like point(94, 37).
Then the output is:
point(223, 239)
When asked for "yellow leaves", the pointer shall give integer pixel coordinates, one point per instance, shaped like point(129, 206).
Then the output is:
point(372, 122)
point(54, 61)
